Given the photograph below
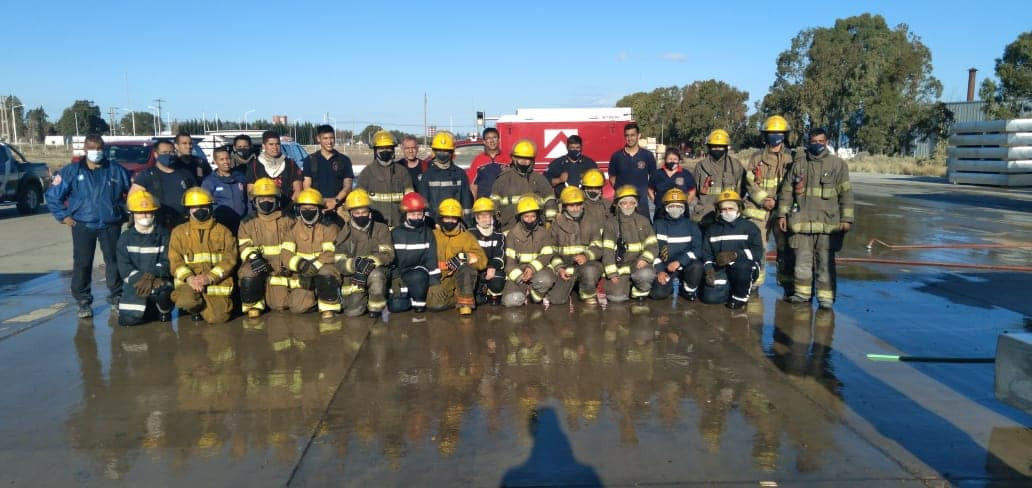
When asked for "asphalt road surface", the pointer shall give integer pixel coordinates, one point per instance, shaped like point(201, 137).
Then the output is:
point(663, 392)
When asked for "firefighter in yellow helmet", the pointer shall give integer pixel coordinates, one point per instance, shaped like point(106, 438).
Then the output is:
point(630, 246)
point(443, 178)
point(763, 175)
point(595, 205)
point(680, 248)
point(203, 256)
point(529, 249)
point(815, 203)
point(717, 172)
point(142, 256)
point(363, 248)
point(578, 249)
point(309, 253)
point(731, 247)
point(459, 258)
point(386, 180)
point(492, 241)
point(520, 179)
point(263, 273)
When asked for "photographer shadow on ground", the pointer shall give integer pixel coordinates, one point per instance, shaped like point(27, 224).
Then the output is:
point(551, 461)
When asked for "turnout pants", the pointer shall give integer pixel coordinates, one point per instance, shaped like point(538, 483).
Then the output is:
point(785, 261)
point(815, 263)
point(133, 309)
point(214, 305)
point(358, 300)
point(636, 284)
point(456, 289)
point(585, 279)
point(487, 289)
point(84, 246)
point(262, 292)
point(323, 291)
point(515, 293)
point(409, 288)
point(690, 277)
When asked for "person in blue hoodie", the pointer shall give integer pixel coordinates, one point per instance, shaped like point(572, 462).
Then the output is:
point(89, 197)
point(228, 187)
point(680, 248)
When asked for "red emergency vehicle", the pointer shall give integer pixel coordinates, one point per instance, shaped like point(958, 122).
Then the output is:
point(600, 128)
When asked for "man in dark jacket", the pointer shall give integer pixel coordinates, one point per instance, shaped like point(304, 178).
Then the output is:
point(228, 187)
point(415, 258)
point(167, 181)
point(88, 197)
point(732, 244)
point(680, 248)
point(198, 167)
point(444, 179)
point(568, 169)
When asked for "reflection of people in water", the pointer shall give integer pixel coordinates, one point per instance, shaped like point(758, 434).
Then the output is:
point(551, 461)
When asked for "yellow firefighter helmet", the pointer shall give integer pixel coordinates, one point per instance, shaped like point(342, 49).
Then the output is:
point(444, 141)
point(265, 187)
point(528, 203)
point(197, 197)
point(675, 195)
point(626, 191)
point(358, 198)
point(729, 196)
point(593, 178)
point(142, 201)
point(483, 204)
point(450, 207)
point(310, 196)
point(524, 148)
point(383, 138)
point(775, 123)
point(718, 137)
point(571, 195)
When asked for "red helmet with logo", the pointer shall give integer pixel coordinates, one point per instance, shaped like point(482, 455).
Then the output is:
point(413, 202)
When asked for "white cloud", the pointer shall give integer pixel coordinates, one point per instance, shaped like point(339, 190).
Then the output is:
point(675, 57)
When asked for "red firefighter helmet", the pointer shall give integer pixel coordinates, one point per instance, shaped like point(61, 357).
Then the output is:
point(413, 202)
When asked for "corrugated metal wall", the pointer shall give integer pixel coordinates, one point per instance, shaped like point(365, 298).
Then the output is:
point(962, 112)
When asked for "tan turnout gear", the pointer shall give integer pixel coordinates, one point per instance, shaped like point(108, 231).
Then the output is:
point(311, 244)
point(511, 185)
point(197, 248)
point(626, 239)
point(263, 235)
point(373, 243)
point(763, 175)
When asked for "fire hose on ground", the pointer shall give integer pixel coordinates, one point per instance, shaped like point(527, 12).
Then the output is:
point(936, 264)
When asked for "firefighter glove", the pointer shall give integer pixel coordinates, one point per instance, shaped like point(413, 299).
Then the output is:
point(144, 285)
point(711, 276)
point(725, 258)
point(260, 266)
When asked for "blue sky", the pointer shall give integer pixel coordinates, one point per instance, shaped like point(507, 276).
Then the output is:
point(372, 61)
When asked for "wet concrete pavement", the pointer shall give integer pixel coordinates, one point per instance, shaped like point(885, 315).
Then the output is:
point(660, 393)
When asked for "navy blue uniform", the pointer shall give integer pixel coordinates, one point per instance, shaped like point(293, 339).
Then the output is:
point(680, 241)
point(636, 171)
point(415, 267)
point(743, 237)
point(574, 171)
point(140, 253)
point(661, 182)
point(438, 184)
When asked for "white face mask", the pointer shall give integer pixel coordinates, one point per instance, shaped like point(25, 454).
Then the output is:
point(675, 211)
point(627, 211)
point(145, 222)
point(94, 155)
point(729, 215)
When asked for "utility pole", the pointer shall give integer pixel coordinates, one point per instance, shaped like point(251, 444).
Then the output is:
point(14, 121)
point(3, 116)
point(76, 114)
point(425, 103)
point(111, 117)
point(158, 101)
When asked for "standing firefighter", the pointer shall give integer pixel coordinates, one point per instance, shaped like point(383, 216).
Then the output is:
point(460, 259)
point(492, 279)
point(386, 180)
point(815, 202)
point(364, 247)
point(595, 205)
point(443, 178)
point(578, 249)
point(529, 250)
point(262, 275)
point(143, 262)
point(202, 254)
point(309, 252)
point(680, 248)
point(763, 177)
point(414, 268)
point(518, 180)
point(630, 247)
point(732, 245)
point(715, 174)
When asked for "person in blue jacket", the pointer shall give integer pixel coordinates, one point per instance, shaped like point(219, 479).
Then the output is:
point(228, 187)
point(680, 248)
point(89, 197)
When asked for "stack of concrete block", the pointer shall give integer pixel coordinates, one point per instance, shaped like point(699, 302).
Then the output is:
point(992, 152)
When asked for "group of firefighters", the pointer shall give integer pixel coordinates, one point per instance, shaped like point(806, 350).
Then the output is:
point(404, 241)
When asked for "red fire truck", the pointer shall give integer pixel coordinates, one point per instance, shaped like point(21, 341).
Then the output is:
point(600, 128)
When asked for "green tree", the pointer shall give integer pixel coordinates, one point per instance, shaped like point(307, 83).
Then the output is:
point(82, 117)
point(861, 80)
point(144, 123)
point(366, 136)
point(655, 111)
point(1010, 97)
point(37, 125)
point(708, 105)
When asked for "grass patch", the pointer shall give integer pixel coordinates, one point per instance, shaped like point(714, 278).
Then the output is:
point(55, 157)
point(897, 165)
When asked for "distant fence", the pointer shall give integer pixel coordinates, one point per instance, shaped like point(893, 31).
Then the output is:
point(991, 152)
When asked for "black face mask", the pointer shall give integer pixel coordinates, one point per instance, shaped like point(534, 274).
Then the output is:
point(449, 226)
point(523, 170)
point(362, 221)
point(243, 153)
point(202, 214)
point(670, 165)
point(266, 207)
point(309, 216)
point(593, 194)
point(385, 156)
point(414, 223)
point(530, 226)
point(717, 153)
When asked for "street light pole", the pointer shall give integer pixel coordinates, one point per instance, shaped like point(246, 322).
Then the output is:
point(245, 118)
point(14, 122)
point(132, 114)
